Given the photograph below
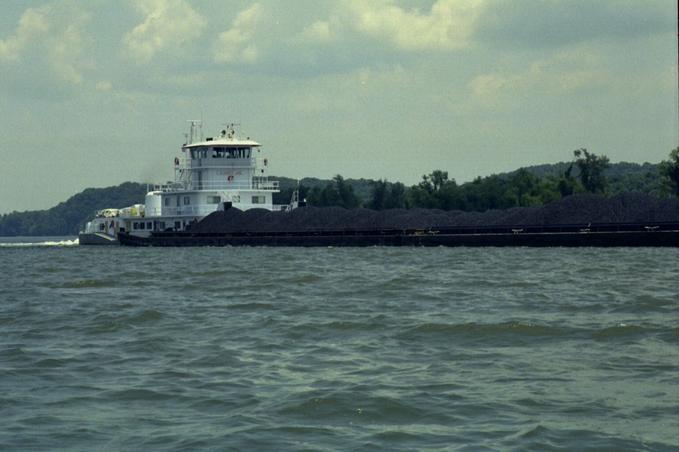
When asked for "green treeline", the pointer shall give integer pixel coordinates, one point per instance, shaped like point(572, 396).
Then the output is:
point(532, 186)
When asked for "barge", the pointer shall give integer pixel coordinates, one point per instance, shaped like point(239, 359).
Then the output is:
point(659, 234)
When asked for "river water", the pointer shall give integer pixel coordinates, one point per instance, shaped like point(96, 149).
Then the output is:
point(337, 348)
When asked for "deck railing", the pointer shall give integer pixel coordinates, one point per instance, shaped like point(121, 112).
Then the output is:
point(221, 185)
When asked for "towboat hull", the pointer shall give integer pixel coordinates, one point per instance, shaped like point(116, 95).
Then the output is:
point(96, 238)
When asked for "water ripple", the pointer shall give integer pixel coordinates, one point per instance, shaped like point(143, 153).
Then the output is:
point(335, 349)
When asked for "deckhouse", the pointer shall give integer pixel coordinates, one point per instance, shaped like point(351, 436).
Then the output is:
point(211, 171)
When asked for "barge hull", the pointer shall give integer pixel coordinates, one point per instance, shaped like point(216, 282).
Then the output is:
point(666, 238)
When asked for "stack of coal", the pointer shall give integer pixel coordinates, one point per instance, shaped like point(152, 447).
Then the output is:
point(579, 209)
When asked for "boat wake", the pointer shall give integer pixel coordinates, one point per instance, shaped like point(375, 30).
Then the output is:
point(39, 244)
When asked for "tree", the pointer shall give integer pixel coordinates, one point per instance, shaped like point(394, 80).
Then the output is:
point(525, 186)
point(670, 171)
point(435, 191)
point(335, 193)
point(378, 196)
point(566, 184)
point(396, 199)
point(347, 197)
point(591, 168)
point(386, 195)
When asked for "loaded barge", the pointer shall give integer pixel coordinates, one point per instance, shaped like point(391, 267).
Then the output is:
point(659, 234)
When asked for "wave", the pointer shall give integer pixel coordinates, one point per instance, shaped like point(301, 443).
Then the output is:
point(481, 330)
point(543, 437)
point(83, 284)
point(621, 330)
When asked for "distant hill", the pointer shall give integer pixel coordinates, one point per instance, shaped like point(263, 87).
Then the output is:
point(68, 217)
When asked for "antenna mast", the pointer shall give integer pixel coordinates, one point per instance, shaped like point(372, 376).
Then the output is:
point(197, 126)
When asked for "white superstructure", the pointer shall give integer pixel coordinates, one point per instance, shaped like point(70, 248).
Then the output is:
point(210, 172)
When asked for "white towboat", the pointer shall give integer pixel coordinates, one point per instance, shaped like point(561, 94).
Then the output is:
point(211, 173)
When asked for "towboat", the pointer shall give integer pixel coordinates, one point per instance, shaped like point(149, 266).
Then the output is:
point(211, 173)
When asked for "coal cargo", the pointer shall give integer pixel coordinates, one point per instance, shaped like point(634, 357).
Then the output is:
point(580, 209)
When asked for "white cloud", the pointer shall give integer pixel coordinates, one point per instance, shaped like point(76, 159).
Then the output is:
point(66, 50)
point(321, 31)
point(566, 71)
point(32, 25)
point(49, 41)
point(236, 45)
point(104, 86)
point(168, 24)
point(448, 25)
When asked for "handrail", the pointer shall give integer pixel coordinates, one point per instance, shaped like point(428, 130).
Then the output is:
point(188, 164)
point(221, 186)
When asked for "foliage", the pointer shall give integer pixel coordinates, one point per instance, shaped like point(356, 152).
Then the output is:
point(592, 169)
point(386, 195)
point(670, 171)
point(435, 191)
point(493, 192)
point(362, 188)
point(335, 193)
point(551, 182)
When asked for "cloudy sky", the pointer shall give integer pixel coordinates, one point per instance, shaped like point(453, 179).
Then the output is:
point(97, 92)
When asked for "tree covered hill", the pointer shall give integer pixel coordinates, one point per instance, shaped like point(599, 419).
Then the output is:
point(622, 176)
point(529, 186)
point(68, 217)
point(532, 185)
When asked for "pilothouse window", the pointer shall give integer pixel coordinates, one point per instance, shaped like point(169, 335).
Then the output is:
point(200, 153)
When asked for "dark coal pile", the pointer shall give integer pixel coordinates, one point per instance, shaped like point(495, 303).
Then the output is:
point(578, 209)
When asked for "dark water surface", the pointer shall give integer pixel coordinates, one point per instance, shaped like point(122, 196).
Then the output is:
point(338, 349)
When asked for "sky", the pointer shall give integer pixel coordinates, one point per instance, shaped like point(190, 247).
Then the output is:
point(97, 92)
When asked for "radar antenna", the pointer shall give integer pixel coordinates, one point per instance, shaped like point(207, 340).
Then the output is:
point(232, 129)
